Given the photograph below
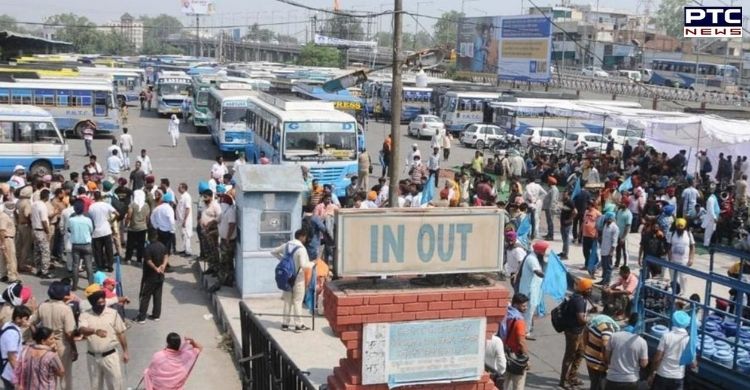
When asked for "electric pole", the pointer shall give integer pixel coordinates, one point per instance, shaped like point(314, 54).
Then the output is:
point(395, 164)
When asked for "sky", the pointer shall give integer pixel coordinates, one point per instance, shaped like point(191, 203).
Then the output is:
point(246, 12)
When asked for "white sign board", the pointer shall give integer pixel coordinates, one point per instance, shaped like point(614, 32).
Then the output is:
point(418, 352)
point(197, 7)
point(323, 40)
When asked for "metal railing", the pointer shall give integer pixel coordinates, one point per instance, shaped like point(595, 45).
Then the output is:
point(264, 365)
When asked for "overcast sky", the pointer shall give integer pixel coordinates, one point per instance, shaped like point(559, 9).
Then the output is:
point(244, 12)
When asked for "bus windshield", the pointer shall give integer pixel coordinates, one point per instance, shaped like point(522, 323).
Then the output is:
point(320, 140)
point(233, 114)
point(202, 99)
point(173, 89)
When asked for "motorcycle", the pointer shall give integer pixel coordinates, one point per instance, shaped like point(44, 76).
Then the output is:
point(509, 141)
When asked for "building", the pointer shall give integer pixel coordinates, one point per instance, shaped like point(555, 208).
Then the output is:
point(130, 29)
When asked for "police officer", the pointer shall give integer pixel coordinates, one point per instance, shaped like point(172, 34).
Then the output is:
point(104, 330)
point(55, 314)
point(24, 240)
point(9, 265)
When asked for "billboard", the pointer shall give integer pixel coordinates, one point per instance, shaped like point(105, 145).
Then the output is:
point(419, 241)
point(197, 7)
point(509, 47)
point(323, 40)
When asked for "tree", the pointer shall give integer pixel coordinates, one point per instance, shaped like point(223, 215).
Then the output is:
point(669, 16)
point(8, 23)
point(344, 27)
point(156, 31)
point(286, 39)
point(446, 28)
point(314, 55)
point(255, 33)
point(114, 43)
point(422, 40)
point(78, 30)
point(384, 39)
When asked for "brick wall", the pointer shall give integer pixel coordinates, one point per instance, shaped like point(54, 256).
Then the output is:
point(347, 311)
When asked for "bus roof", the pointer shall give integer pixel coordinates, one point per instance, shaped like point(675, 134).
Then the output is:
point(474, 95)
point(231, 93)
point(56, 84)
point(24, 111)
point(304, 115)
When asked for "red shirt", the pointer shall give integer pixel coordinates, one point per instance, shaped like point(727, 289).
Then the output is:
point(515, 335)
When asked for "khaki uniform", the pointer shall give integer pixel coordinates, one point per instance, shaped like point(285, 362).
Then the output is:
point(104, 371)
point(9, 264)
point(58, 316)
point(24, 240)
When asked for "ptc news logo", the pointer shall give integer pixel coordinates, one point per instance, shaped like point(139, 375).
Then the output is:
point(717, 22)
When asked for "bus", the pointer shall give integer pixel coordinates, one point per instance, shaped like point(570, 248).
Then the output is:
point(128, 81)
point(683, 74)
point(415, 101)
point(309, 133)
point(172, 88)
point(29, 137)
point(70, 103)
point(199, 109)
point(461, 109)
point(227, 105)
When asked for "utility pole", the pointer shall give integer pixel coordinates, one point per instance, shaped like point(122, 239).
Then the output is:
point(199, 49)
point(395, 164)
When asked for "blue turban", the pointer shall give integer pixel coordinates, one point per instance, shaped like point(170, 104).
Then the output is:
point(680, 319)
point(221, 188)
point(168, 197)
point(58, 290)
point(609, 215)
point(202, 186)
point(609, 207)
point(99, 277)
point(668, 209)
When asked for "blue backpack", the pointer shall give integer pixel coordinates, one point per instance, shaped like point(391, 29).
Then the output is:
point(286, 270)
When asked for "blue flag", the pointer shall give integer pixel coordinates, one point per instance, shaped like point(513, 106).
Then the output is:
point(309, 300)
point(428, 191)
point(118, 277)
point(523, 232)
point(627, 185)
point(576, 189)
point(689, 353)
point(593, 259)
point(555, 282)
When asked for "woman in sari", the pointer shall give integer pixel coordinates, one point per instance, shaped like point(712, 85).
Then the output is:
point(170, 368)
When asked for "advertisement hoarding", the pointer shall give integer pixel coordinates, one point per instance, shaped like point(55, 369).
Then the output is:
point(197, 7)
point(476, 49)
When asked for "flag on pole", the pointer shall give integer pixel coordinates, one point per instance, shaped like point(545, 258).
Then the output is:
point(523, 232)
point(118, 277)
point(627, 185)
point(688, 354)
point(555, 282)
point(428, 191)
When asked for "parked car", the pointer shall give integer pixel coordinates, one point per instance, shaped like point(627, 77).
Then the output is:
point(594, 71)
point(620, 134)
point(425, 126)
point(539, 135)
point(578, 142)
point(481, 135)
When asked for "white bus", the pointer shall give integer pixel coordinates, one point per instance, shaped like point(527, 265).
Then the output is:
point(226, 116)
point(172, 88)
point(310, 133)
point(29, 137)
point(71, 103)
point(128, 81)
point(461, 109)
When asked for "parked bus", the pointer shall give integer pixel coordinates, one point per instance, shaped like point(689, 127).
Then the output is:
point(172, 88)
point(414, 101)
point(461, 109)
point(70, 103)
point(29, 137)
point(227, 105)
point(683, 74)
point(310, 133)
point(128, 81)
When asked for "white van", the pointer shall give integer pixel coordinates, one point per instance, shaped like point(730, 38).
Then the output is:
point(632, 75)
point(30, 137)
point(620, 134)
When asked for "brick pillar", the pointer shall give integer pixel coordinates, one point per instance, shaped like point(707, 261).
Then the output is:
point(347, 310)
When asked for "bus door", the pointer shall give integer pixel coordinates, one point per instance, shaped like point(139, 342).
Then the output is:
point(100, 103)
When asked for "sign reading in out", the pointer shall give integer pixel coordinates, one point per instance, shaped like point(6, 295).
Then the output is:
point(422, 241)
point(419, 352)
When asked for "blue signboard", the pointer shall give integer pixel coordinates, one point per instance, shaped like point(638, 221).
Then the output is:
point(525, 51)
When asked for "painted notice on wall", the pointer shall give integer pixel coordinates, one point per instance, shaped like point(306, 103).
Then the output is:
point(419, 352)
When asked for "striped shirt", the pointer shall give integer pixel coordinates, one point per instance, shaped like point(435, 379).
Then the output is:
point(597, 338)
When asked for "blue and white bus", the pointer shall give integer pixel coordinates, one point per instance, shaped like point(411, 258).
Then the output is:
point(71, 103)
point(29, 137)
point(304, 132)
point(226, 116)
point(128, 81)
point(172, 88)
point(461, 109)
point(415, 101)
point(683, 74)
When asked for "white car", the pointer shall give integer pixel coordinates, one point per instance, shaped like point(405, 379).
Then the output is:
point(425, 126)
point(481, 135)
point(538, 135)
point(574, 141)
point(620, 134)
point(594, 71)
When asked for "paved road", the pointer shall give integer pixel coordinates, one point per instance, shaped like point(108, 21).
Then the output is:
point(184, 303)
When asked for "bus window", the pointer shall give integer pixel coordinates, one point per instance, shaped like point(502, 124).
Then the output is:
point(21, 96)
point(6, 132)
point(25, 134)
point(45, 133)
point(4, 96)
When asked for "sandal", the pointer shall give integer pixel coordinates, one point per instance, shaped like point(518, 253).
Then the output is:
point(301, 327)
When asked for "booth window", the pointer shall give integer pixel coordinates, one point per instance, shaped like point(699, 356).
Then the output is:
point(275, 228)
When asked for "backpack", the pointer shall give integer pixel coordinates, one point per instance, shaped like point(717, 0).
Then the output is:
point(558, 316)
point(4, 361)
point(286, 270)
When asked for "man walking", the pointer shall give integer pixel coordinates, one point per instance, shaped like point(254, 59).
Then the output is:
point(80, 229)
point(162, 219)
point(293, 298)
point(145, 161)
point(534, 195)
point(610, 235)
point(575, 318)
point(88, 136)
point(9, 265)
point(100, 212)
point(105, 332)
point(668, 370)
point(513, 333)
point(549, 205)
point(363, 169)
point(154, 264)
point(41, 234)
point(184, 218)
point(626, 354)
point(126, 145)
point(114, 166)
point(433, 164)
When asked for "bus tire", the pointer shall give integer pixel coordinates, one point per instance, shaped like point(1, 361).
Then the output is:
point(40, 168)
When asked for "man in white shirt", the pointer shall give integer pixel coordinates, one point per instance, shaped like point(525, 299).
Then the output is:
point(40, 231)
point(219, 169)
point(162, 219)
point(514, 255)
point(494, 357)
point(126, 145)
point(433, 164)
point(668, 372)
point(534, 197)
point(626, 355)
point(145, 161)
point(209, 222)
point(293, 298)
point(384, 192)
point(414, 152)
point(114, 165)
point(184, 217)
point(11, 343)
point(100, 213)
point(681, 250)
point(227, 243)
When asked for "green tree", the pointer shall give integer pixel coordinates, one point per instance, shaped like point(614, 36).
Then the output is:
point(114, 43)
point(422, 40)
point(344, 27)
point(78, 30)
point(8, 23)
point(286, 39)
point(384, 39)
point(314, 55)
point(156, 31)
point(255, 33)
point(669, 16)
point(446, 29)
